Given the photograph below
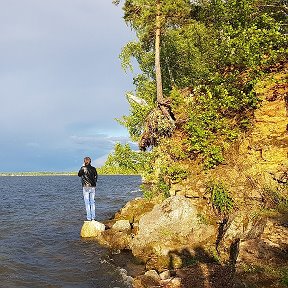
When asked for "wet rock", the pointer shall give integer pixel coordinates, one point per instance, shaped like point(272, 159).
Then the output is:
point(91, 229)
point(116, 240)
point(128, 280)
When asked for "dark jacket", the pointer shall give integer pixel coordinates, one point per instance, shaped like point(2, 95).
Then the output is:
point(88, 176)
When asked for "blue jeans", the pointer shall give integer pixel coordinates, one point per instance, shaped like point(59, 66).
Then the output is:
point(89, 199)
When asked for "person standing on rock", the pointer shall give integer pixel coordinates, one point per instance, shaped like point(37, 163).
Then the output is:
point(89, 177)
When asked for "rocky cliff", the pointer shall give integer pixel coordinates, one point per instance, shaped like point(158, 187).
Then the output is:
point(224, 227)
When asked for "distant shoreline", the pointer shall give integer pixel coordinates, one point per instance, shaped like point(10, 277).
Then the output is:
point(38, 174)
point(5, 174)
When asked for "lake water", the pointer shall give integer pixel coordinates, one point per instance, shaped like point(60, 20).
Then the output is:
point(40, 223)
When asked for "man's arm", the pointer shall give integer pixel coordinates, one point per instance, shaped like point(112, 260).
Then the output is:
point(81, 172)
point(96, 175)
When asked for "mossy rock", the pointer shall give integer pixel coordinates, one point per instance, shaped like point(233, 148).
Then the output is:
point(159, 263)
point(134, 209)
point(116, 240)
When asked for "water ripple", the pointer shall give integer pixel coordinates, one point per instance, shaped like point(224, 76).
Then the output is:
point(41, 218)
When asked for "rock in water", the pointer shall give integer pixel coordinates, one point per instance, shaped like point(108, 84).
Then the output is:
point(92, 229)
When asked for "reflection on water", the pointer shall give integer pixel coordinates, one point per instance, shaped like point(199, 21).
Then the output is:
point(41, 218)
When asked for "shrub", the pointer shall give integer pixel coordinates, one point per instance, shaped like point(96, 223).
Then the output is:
point(220, 198)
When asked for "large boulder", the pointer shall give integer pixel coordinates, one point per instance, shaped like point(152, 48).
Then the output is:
point(171, 227)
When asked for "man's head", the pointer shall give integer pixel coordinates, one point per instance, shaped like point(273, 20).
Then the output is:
point(87, 160)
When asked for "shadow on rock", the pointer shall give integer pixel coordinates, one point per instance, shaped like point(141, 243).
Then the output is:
point(201, 270)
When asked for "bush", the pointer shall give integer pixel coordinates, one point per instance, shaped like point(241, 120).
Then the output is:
point(220, 198)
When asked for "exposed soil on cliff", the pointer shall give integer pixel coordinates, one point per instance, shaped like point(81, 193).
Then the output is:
point(256, 171)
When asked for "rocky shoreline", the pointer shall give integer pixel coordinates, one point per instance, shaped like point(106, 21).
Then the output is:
point(178, 248)
point(231, 233)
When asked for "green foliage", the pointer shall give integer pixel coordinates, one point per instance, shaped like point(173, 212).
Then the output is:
point(123, 160)
point(136, 121)
point(208, 129)
point(202, 219)
point(186, 55)
point(160, 171)
point(144, 59)
point(163, 188)
point(279, 275)
point(215, 49)
point(148, 193)
point(214, 156)
point(158, 188)
point(176, 172)
point(141, 14)
point(175, 147)
point(220, 198)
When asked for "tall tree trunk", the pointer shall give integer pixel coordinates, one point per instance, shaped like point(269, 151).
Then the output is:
point(160, 98)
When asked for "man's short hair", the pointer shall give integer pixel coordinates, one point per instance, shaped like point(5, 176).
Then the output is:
point(87, 160)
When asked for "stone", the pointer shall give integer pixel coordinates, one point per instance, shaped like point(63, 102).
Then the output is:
point(128, 280)
point(98, 225)
point(144, 281)
point(181, 193)
point(165, 275)
point(122, 225)
point(270, 248)
point(177, 189)
point(171, 225)
point(153, 274)
point(176, 282)
point(172, 283)
point(116, 240)
point(91, 229)
point(241, 227)
point(134, 209)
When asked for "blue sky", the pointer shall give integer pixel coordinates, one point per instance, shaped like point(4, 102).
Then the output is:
point(61, 83)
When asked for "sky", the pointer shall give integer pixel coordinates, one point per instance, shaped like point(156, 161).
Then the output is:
point(61, 83)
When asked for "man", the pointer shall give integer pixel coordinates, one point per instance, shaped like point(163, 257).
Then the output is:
point(89, 177)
